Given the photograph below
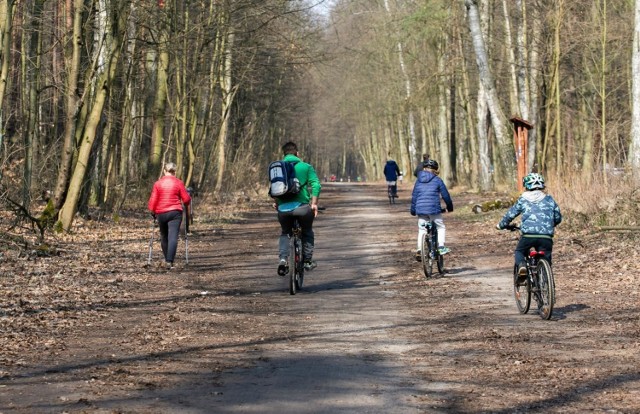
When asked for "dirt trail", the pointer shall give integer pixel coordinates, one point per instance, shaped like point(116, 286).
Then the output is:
point(368, 333)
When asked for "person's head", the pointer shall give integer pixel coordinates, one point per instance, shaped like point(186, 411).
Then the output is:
point(533, 181)
point(290, 148)
point(431, 165)
point(170, 168)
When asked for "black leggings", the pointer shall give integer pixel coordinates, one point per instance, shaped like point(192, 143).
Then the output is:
point(169, 224)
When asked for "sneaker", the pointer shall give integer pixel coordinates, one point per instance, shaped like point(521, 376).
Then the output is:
point(168, 265)
point(283, 267)
point(443, 250)
point(522, 273)
point(418, 256)
point(310, 265)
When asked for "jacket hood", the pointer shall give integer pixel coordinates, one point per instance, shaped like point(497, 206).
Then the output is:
point(534, 196)
point(426, 176)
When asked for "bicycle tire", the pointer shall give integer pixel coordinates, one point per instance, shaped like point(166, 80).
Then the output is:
point(427, 255)
point(547, 290)
point(292, 266)
point(438, 257)
point(299, 279)
point(521, 293)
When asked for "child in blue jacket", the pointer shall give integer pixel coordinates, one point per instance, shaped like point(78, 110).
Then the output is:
point(425, 203)
point(540, 215)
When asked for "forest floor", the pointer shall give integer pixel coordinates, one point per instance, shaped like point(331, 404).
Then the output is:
point(92, 330)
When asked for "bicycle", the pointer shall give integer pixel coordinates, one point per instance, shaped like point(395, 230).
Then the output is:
point(539, 283)
point(431, 254)
point(391, 194)
point(295, 264)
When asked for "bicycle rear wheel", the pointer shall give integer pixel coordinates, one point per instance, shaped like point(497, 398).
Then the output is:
point(438, 257)
point(299, 279)
point(392, 199)
point(427, 254)
point(521, 293)
point(293, 286)
point(547, 289)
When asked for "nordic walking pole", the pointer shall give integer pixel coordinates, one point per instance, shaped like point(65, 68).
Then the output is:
point(153, 230)
point(186, 238)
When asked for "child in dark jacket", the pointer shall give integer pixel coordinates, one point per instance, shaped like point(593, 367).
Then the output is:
point(540, 215)
point(425, 203)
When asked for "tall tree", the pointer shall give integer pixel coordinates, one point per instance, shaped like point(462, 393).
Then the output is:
point(634, 147)
point(117, 18)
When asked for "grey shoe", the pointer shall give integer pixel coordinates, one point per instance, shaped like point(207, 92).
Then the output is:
point(283, 267)
point(310, 265)
point(418, 256)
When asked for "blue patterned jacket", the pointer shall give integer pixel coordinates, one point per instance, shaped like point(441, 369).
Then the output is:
point(540, 214)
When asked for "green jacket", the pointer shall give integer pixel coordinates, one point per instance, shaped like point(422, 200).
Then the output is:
point(307, 177)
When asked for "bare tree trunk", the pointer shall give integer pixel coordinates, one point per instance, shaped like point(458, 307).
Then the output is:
point(160, 102)
point(69, 208)
point(634, 147)
point(228, 92)
point(72, 65)
point(443, 108)
point(31, 46)
point(408, 92)
point(498, 120)
point(6, 24)
point(513, 90)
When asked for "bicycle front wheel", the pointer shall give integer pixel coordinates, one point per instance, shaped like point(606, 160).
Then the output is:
point(293, 286)
point(547, 289)
point(521, 293)
point(427, 254)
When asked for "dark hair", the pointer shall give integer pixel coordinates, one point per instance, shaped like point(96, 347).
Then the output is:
point(431, 164)
point(289, 148)
point(425, 157)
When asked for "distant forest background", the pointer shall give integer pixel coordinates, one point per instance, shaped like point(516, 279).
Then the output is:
point(96, 95)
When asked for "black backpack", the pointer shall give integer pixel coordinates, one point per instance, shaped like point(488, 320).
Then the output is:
point(282, 179)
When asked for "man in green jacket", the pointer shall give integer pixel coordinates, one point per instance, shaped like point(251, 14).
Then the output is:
point(302, 206)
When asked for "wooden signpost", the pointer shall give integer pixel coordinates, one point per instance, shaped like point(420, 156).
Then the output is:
point(520, 143)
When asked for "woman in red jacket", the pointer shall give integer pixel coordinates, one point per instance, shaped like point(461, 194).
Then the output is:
point(166, 203)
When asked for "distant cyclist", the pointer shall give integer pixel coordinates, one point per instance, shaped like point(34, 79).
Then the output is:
point(540, 215)
point(425, 203)
point(391, 173)
point(303, 206)
point(425, 158)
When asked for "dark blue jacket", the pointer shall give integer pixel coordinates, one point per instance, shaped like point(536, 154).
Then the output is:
point(391, 171)
point(425, 199)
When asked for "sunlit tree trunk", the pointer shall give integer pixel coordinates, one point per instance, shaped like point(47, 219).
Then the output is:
point(443, 109)
point(498, 120)
point(72, 44)
point(634, 148)
point(408, 93)
point(31, 53)
point(117, 27)
point(160, 101)
point(6, 24)
point(228, 92)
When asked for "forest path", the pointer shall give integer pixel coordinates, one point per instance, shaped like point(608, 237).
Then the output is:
point(368, 332)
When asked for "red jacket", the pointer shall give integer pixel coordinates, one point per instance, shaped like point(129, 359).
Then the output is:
point(168, 194)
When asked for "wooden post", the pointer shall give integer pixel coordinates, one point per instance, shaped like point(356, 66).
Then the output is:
point(520, 143)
